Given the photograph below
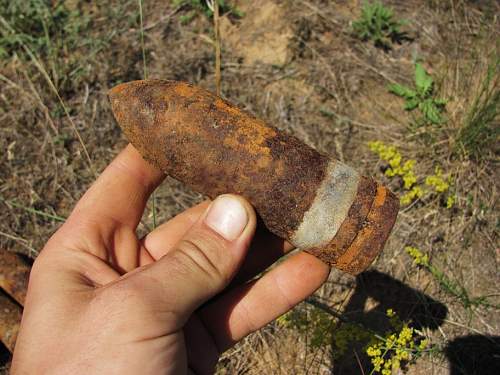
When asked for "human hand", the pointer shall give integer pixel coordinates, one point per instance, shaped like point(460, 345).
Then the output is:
point(101, 300)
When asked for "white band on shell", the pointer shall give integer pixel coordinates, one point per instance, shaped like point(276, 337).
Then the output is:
point(329, 208)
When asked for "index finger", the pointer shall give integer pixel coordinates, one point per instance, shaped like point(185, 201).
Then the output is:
point(249, 307)
point(121, 192)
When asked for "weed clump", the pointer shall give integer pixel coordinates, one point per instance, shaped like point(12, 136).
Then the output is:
point(347, 333)
point(317, 322)
point(60, 37)
point(422, 96)
point(448, 285)
point(377, 24)
point(400, 345)
point(481, 128)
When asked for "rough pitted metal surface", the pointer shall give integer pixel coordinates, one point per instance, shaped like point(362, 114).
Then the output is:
point(14, 275)
point(10, 321)
point(315, 202)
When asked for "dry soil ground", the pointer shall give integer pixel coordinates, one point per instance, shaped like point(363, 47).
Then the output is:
point(297, 65)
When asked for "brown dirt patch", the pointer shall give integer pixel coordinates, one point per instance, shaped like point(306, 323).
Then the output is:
point(262, 36)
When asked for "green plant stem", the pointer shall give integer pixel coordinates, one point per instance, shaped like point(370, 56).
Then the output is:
point(217, 49)
point(141, 20)
point(457, 291)
point(35, 211)
point(145, 76)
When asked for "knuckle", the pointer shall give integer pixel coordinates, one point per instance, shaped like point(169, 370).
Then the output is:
point(202, 256)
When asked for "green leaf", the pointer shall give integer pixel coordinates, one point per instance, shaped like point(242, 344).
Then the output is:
point(431, 112)
point(411, 104)
point(377, 24)
point(403, 91)
point(440, 102)
point(423, 81)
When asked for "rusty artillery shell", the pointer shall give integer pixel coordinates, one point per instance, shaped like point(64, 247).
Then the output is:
point(319, 204)
point(14, 275)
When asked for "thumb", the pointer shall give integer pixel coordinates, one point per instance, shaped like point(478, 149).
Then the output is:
point(205, 259)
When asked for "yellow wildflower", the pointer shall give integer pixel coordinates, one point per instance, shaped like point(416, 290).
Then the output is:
point(375, 146)
point(406, 199)
point(423, 344)
point(405, 335)
point(373, 351)
point(390, 172)
point(395, 161)
point(419, 258)
point(437, 181)
point(388, 153)
point(450, 201)
point(409, 179)
point(396, 364)
point(283, 320)
point(415, 192)
point(408, 165)
point(393, 158)
point(389, 342)
point(404, 355)
point(399, 345)
point(377, 363)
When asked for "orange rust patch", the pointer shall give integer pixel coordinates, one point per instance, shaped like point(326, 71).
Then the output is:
point(353, 250)
point(379, 197)
point(253, 140)
point(183, 90)
point(118, 89)
point(223, 106)
point(371, 239)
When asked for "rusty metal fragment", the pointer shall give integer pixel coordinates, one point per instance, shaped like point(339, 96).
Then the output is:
point(317, 203)
point(10, 320)
point(14, 275)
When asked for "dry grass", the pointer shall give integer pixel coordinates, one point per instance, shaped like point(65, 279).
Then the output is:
point(332, 93)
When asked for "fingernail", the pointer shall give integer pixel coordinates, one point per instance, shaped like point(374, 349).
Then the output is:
point(227, 216)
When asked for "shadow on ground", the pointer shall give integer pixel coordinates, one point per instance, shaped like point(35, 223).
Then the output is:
point(5, 356)
point(466, 355)
point(474, 355)
point(383, 292)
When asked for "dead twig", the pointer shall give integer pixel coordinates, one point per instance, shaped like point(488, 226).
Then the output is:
point(214, 6)
point(166, 17)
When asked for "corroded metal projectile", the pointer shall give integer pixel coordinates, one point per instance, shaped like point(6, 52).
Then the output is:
point(319, 204)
